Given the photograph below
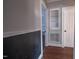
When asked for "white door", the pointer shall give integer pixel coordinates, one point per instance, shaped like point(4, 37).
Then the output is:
point(68, 26)
point(55, 27)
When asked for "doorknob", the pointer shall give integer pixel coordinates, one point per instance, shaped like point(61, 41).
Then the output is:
point(64, 30)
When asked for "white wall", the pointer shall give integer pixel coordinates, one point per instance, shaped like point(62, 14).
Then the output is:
point(19, 17)
point(69, 41)
point(37, 14)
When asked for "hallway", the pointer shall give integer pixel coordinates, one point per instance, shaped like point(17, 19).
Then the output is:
point(58, 53)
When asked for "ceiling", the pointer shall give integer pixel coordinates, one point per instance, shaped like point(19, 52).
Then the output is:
point(48, 1)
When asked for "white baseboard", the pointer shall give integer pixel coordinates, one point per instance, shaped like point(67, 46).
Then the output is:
point(12, 33)
point(40, 56)
point(69, 46)
point(58, 45)
point(51, 44)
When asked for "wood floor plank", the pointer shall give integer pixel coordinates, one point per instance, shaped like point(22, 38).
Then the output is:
point(58, 53)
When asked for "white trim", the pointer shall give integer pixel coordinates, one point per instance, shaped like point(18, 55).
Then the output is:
point(41, 27)
point(46, 40)
point(62, 29)
point(51, 44)
point(12, 33)
point(69, 46)
point(41, 3)
point(40, 57)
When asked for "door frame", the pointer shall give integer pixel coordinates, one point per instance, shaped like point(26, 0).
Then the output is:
point(46, 35)
point(42, 3)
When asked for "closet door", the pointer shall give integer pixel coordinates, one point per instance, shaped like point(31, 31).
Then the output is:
point(68, 26)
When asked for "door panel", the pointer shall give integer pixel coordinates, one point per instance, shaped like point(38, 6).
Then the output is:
point(68, 28)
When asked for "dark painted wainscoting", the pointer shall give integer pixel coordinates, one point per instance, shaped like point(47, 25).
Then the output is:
point(24, 46)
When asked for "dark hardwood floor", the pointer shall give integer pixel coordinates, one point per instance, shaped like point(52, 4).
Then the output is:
point(58, 53)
